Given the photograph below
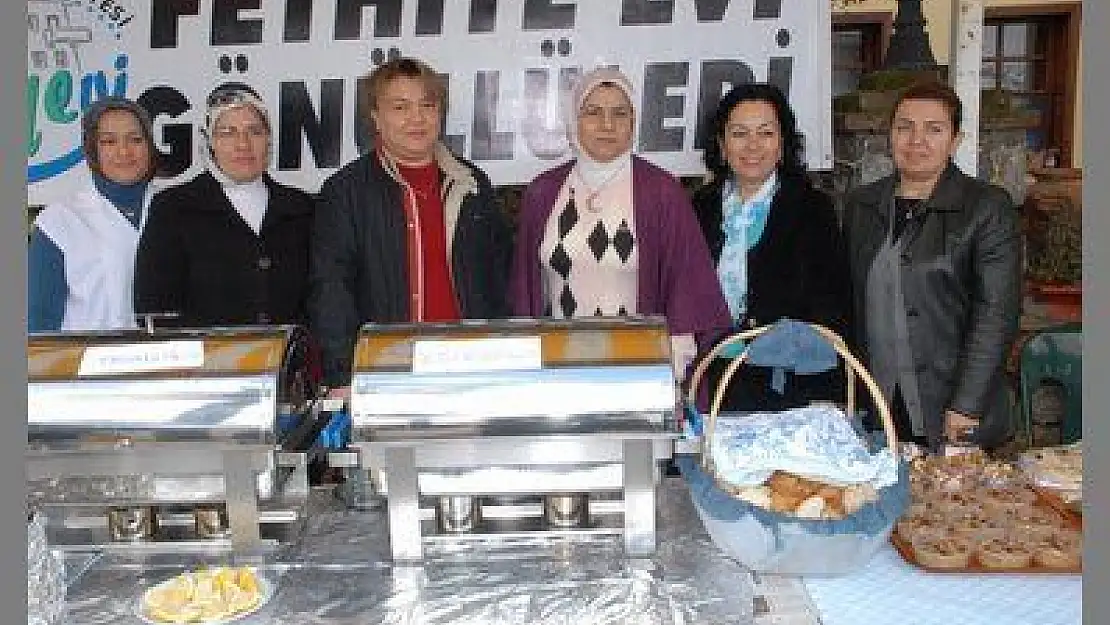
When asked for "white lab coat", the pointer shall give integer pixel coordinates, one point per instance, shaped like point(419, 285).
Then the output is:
point(98, 244)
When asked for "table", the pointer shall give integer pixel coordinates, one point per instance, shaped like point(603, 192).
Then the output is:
point(339, 573)
point(889, 586)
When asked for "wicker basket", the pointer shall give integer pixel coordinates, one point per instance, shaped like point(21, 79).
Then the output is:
point(784, 544)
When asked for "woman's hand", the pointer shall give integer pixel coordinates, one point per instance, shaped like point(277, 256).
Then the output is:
point(958, 426)
point(342, 392)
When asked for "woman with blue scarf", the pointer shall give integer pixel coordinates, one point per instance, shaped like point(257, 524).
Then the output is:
point(82, 251)
point(777, 247)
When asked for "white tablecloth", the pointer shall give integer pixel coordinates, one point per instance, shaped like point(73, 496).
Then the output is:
point(889, 590)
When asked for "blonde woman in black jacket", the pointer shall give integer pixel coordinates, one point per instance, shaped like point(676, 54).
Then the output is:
point(408, 232)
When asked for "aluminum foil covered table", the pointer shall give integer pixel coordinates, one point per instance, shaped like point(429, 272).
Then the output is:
point(340, 573)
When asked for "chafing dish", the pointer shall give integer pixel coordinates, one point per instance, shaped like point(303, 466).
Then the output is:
point(481, 430)
point(173, 439)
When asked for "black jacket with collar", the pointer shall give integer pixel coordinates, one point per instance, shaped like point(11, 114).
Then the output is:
point(961, 281)
point(359, 257)
point(797, 270)
point(198, 258)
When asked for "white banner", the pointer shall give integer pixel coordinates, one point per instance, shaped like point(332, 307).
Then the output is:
point(507, 62)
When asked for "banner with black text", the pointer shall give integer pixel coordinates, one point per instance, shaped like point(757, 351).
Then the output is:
point(508, 64)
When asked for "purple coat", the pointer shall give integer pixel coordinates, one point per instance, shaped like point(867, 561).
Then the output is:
point(676, 277)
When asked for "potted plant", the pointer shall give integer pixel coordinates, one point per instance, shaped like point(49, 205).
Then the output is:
point(1055, 260)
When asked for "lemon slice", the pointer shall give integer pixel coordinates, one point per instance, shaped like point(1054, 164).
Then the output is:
point(204, 596)
point(183, 614)
point(247, 580)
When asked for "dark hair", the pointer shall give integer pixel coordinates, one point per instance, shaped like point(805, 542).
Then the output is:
point(937, 92)
point(791, 165)
point(90, 126)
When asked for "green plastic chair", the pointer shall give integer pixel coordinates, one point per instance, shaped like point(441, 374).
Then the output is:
point(1054, 355)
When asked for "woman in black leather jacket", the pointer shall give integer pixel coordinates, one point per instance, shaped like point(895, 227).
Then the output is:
point(935, 257)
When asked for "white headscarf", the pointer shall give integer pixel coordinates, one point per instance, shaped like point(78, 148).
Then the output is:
point(593, 173)
point(250, 199)
point(223, 99)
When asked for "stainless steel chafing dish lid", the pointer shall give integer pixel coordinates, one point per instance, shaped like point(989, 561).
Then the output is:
point(517, 376)
point(168, 386)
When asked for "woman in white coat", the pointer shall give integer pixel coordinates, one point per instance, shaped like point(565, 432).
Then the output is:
point(82, 251)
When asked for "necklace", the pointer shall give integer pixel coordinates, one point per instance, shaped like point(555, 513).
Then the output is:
point(591, 195)
point(589, 201)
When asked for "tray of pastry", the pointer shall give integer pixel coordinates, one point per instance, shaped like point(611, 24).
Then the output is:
point(1064, 502)
point(1056, 473)
point(973, 515)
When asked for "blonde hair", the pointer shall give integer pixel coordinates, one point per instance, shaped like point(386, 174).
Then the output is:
point(371, 87)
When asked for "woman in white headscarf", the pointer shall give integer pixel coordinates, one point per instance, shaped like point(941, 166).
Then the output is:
point(610, 234)
point(231, 246)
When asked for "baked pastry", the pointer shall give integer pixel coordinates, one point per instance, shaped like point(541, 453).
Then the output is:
point(833, 498)
point(920, 486)
point(998, 475)
point(812, 507)
point(918, 508)
point(1008, 499)
point(947, 552)
point(786, 493)
point(785, 502)
point(1004, 553)
point(1033, 523)
point(918, 527)
point(857, 495)
point(956, 503)
point(976, 527)
point(1059, 550)
point(756, 495)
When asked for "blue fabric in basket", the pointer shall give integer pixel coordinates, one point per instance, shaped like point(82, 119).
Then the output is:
point(793, 345)
point(872, 519)
point(788, 344)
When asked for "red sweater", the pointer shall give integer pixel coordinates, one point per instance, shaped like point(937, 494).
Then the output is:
point(440, 303)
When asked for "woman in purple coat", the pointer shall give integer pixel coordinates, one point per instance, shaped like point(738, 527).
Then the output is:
point(610, 234)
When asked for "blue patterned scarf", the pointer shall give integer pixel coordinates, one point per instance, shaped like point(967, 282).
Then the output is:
point(743, 226)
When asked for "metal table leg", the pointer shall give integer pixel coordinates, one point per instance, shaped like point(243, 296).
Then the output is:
point(639, 498)
point(404, 505)
point(241, 491)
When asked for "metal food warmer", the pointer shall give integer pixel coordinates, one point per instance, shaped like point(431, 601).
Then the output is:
point(170, 440)
point(517, 428)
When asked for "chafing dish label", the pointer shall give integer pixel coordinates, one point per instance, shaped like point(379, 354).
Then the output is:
point(518, 353)
point(141, 357)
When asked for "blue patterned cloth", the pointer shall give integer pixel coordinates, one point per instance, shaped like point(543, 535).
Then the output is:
point(792, 345)
point(743, 226)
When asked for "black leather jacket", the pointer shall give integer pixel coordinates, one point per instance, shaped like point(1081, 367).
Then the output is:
point(961, 281)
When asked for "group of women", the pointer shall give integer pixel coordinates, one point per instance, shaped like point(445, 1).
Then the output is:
point(921, 275)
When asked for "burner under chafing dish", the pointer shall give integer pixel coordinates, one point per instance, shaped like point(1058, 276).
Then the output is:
point(565, 511)
point(457, 515)
point(131, 524)
point(211, 522)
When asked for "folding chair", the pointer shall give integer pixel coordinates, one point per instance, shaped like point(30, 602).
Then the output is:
point(1054, 356)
